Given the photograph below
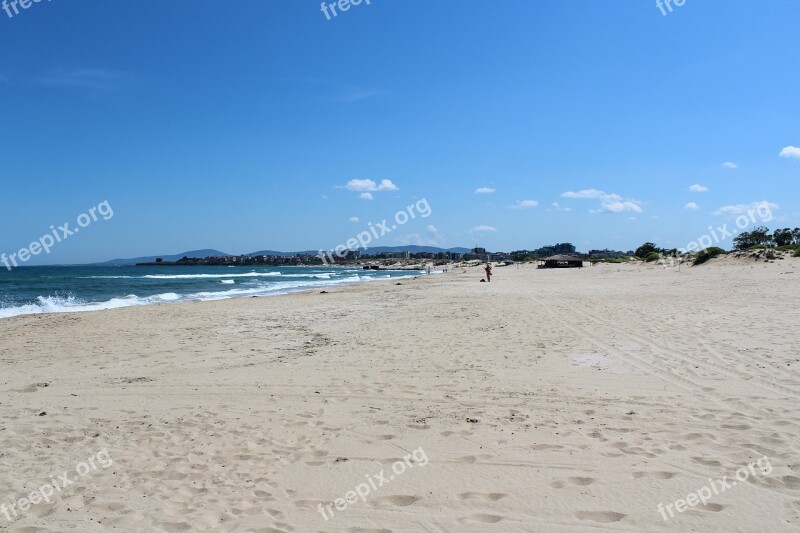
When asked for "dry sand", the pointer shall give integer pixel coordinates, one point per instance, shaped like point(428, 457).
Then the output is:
point(544, 401)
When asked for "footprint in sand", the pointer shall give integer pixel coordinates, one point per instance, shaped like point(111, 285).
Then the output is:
point(792, 482)
point(706, 462)
point(711, 507)
point(605, 517)
point(473, 458)
point(738, 427)
point(484, 497)
point(174, 527)
point(398, 500)
point(657, 475)
point(463, 433)
point(538, 447)
point(580, 481)
point(793, 505)
point(33, 387)
point(480, 518)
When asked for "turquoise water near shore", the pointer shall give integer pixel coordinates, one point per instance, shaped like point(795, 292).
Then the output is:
point(60, 289)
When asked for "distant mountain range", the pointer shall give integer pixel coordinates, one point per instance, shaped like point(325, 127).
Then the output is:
point(210, 252)
point(152, 258)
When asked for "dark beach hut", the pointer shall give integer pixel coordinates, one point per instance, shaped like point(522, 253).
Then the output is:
point(563, 261)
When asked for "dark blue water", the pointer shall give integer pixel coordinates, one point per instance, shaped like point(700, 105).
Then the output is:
point(29, 290)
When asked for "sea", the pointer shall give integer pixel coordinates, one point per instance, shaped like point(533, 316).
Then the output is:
point(67, 289)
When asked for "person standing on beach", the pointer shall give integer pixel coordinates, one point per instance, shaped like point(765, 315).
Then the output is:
point(488, 270)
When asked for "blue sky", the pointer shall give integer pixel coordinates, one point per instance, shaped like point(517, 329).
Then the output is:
point(239, 125)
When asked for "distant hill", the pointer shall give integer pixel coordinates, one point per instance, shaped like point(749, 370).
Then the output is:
point(152, 258)
point(415, 249)
point(208, 253)
point(376, 250)
point(282, 254)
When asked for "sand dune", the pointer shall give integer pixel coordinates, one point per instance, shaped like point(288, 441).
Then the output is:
point(543, 401)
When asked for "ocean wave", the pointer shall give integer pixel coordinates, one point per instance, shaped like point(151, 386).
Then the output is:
point(107, 277)
point(72, 304)
point(318, 275)
point(69, 304)
point(213, 276)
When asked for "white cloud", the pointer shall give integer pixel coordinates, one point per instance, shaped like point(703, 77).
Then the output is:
point(524, 204)
point(353, 219)
point(387, 185)
point(586, 193)
point(361, 185)
point(691, 206)
point(609, 202)
point(557, 207)
point(370, 186)
point(620, 207)
point(791, 152)
point(479, 229)
point(746, 209)
point(432, 238)
point(698, 188)
point(730, 164)
point(484, 190)
point(366, 196)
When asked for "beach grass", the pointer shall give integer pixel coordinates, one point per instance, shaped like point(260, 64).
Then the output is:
point(707, 254)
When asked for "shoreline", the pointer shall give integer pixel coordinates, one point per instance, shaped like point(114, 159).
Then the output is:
point(134, 300)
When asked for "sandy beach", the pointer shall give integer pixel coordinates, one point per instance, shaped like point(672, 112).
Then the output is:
point(565, 400)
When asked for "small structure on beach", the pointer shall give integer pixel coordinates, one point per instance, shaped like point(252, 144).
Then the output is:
point(562, 261)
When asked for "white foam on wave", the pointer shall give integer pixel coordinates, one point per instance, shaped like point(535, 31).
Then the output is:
point(317, 275)
point(213, 276)
point(227, 281)
point(166, 297)
point(71, 304)
point(106, 277)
